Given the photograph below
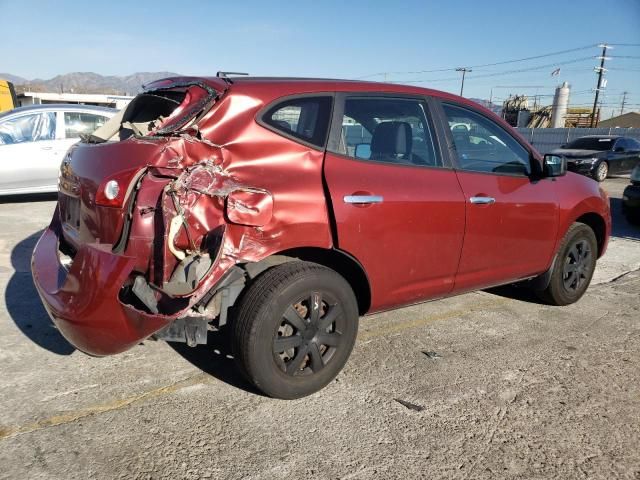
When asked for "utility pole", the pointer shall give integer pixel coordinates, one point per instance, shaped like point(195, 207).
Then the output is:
point(600, 70)
point(624, 98)
point(464, 70)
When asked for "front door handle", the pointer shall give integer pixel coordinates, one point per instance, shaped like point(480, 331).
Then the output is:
point(363, 199)
point(482, 200)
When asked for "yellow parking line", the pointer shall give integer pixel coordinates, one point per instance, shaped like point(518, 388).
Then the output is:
point(374, 333)
point(6, 432)
point(389, 329)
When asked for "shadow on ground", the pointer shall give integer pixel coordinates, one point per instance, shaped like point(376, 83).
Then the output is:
point(29, 198)
point(215, 359)
point(26, 310)
point(620, 226)
point(24, 305)
point(516, 292)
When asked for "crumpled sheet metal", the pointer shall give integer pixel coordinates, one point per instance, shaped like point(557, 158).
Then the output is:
point(263, 193)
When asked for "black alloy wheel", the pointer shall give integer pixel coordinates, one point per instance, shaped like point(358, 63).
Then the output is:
point(294, 329)
point(573, 267)
point(308, 335)
point(577, 265)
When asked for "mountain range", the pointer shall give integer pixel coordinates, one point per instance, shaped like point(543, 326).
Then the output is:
point(87, 82)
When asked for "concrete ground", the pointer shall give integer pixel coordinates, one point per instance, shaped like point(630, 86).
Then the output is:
point(508, 388)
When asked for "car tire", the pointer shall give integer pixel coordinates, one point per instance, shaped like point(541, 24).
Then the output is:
point(602, 171)
point(294, 329)
point(573, 267)
point(633, 219)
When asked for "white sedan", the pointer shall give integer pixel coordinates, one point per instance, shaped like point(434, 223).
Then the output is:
point(34, 139)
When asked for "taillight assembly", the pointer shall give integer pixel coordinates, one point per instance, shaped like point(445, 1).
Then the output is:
point(113, 191)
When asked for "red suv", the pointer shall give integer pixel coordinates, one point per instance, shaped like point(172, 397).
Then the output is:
point(287, 208)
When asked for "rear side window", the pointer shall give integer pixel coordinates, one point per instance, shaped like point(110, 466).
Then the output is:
point(389, 130)
point(305, 118)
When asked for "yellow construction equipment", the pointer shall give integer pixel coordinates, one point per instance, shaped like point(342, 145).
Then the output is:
point(7, 96)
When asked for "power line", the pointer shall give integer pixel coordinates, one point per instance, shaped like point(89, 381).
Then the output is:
point(531, 69)
point(505, 72)
point(451, 69)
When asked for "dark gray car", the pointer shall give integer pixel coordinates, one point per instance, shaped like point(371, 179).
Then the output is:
point(598, 156)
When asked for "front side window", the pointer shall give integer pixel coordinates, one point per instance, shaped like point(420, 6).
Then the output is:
point(483, 146)
point(634, 145)
point(622, 143)
point(76, 123)
point(33, 127)
point(305, 118)
point(389, 130)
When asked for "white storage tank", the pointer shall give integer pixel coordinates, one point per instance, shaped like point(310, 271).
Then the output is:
point(560, 105)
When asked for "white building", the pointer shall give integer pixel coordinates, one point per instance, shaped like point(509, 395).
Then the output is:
point(38, 98)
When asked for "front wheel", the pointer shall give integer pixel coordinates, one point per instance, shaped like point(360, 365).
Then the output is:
point(294, 329)
point(602, 170)
point(574, 266)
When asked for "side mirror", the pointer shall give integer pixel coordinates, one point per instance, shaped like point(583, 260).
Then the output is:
point(554, 165)
point(363, 150)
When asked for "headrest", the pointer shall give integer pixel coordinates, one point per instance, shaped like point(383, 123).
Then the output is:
point(391, 139)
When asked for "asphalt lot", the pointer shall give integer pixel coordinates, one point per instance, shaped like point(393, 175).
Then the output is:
point(509, 389)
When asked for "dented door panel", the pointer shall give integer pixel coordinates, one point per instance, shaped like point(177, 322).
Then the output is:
point(409, 242)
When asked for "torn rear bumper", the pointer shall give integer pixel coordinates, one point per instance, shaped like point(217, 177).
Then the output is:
point(83, 302)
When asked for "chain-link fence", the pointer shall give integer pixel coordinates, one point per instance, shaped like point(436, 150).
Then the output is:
point(546, 139)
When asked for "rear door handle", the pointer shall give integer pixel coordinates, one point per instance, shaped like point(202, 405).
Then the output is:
point(482, 200)
point(363, 199)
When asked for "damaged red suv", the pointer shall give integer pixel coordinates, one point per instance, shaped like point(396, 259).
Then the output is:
point(285, 209)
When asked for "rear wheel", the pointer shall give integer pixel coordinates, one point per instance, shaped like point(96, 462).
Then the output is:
point(294, 329)
point(574, 266)
point(602, 170)
point(631, 214)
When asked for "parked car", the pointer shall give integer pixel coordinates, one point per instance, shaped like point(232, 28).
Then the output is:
point(240, 203)
point(631, 198)
point(34, 139)
point(599, 156)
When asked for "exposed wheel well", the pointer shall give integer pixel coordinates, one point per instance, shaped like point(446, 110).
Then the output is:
point(596, 223)
point(344, 264)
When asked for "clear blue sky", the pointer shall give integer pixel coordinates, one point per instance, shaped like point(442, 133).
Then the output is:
point(332, 39)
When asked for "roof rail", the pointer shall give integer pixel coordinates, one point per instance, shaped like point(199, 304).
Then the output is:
point(225, 75)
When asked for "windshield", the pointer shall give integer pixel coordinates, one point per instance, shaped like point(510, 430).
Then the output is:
point(592, 143)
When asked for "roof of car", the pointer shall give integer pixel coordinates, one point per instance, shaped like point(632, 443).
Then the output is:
point(271, 88)
point(291, 85)
point(58, 106)
point(323, 83)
